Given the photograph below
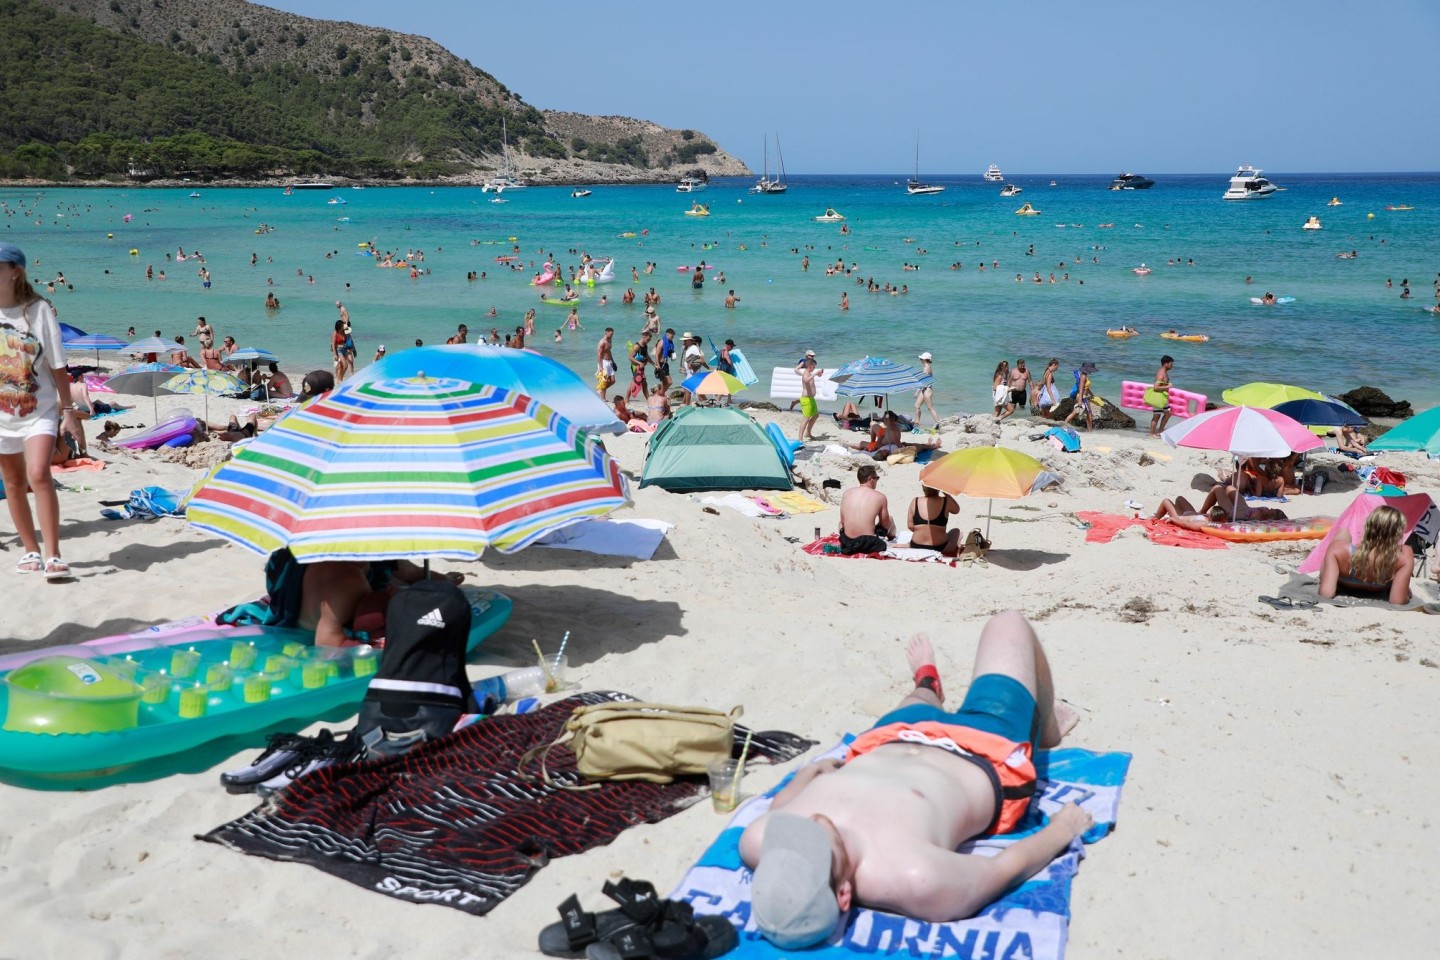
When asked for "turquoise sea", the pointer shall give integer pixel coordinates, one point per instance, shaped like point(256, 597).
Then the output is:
point(1345, 327)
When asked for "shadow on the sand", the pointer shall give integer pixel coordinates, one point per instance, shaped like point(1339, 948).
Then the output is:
point(142, 556)
point(74, 633)
point(599, 622)
point(1024, 559)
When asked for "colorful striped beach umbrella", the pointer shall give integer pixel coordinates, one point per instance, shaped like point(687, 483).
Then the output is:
point(876, 376)
point(712, 382)
point(520, 371)
point(415, 468)
point(1243, 432)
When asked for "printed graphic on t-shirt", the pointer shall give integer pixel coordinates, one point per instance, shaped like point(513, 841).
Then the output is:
point(19, 358)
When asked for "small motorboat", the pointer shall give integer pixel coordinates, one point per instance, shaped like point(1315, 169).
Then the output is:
point(336, 201)
point(1027, 211)
point(195, 195)
point(1335, 202)
point(1010, 190)
point(690, 185)
point(831, 215)
point(1312, 224)
point(580, 193)
point(1392, 206)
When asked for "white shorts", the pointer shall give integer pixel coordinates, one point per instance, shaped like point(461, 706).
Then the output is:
point(14, 434)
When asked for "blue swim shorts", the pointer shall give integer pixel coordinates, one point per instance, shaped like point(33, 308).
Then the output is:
point(994, 703)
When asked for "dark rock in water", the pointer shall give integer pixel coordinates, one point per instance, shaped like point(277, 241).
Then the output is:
point(1373, 402)
point(1107, 415)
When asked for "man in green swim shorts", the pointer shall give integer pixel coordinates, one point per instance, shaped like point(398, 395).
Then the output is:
point(883, 828)
point(809, 408)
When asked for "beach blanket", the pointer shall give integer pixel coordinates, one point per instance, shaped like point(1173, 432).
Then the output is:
point(1105, 526)
point(899, 550)
point(451, 822)
point(637, 539)
point(793, 501)
point(758, 507)
point(1253, 500)
point(1030, 922)
point(1304, 590)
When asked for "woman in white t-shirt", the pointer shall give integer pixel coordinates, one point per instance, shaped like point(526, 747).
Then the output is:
point(35, 404)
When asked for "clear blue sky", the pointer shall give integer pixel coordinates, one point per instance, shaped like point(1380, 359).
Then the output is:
point(1039, 87)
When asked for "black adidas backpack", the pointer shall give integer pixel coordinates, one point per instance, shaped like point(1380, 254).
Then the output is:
point(421, 689)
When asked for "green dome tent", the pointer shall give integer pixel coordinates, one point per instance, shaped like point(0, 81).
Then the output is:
point(713, 448)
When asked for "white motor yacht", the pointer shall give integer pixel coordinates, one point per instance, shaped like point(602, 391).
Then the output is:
point(1010, 190)
point(1248, 184)
point(690, 185)
point(993, 174)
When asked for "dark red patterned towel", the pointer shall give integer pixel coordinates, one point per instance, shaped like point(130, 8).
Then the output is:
point(451, 822)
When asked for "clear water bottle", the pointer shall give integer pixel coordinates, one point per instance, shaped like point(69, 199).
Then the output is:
point(1319, 481)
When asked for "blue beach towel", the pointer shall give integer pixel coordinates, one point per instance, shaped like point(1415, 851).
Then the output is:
point(1029, 923)
point(148, 502)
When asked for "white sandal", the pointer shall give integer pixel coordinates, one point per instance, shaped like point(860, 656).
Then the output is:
point(30, 563)
point(56, 569)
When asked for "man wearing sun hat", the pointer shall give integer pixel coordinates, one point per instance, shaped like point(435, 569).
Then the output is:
point(925, 396)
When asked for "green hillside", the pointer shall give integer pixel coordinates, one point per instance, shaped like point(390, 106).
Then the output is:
point(87, 102)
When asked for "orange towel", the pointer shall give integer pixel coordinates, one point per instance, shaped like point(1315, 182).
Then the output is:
point(81, 463)
point(1104, 527)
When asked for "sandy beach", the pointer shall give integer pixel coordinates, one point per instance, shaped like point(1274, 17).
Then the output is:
point(1276, 805)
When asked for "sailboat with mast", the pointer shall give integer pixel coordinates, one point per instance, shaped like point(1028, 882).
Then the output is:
point(914, 186)
point(765, 184)
point(506, 180)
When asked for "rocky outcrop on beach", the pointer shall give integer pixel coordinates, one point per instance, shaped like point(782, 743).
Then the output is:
point(1374, 402)
point(1107, 415)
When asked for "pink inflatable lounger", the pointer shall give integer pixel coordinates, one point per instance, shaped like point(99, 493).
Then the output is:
point(1183, 403)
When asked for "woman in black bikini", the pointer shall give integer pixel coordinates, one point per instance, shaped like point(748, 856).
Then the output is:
point(1380, 563)
point(928, 513)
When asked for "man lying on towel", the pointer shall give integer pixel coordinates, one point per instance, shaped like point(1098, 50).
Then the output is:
point(882, 829)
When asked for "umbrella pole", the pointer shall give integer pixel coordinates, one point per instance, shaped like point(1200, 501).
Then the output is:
point(1236, 507)
point(989, 513)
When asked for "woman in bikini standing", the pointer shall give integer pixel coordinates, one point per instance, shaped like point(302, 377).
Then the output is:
point(928, 513)
point(1000, 387)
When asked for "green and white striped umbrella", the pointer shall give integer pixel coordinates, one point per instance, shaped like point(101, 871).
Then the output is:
point(415, 468)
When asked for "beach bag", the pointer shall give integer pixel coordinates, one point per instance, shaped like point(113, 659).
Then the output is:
point(653, 742)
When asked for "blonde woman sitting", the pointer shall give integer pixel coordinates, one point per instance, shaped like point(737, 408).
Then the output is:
point(1380, 564)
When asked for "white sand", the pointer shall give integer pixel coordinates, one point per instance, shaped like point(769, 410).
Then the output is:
point(1279, 803)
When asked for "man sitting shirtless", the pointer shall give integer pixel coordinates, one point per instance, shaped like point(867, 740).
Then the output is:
point(865, 522)
point(882, 829)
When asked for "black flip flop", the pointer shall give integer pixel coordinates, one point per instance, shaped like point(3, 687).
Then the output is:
point(680, 936)
point(640, 907)
point(1287, 603)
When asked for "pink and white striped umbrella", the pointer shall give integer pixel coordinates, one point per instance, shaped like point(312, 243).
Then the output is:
point(1243, 432)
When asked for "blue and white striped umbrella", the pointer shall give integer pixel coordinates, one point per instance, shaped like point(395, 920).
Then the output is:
point(875, 376)
point(520, 371)
point(96, 342)
point(249, 354)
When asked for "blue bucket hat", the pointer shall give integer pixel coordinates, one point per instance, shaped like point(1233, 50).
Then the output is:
point(9, 253)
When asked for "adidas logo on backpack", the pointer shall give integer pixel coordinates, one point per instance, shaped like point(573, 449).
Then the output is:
point(432, 619)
